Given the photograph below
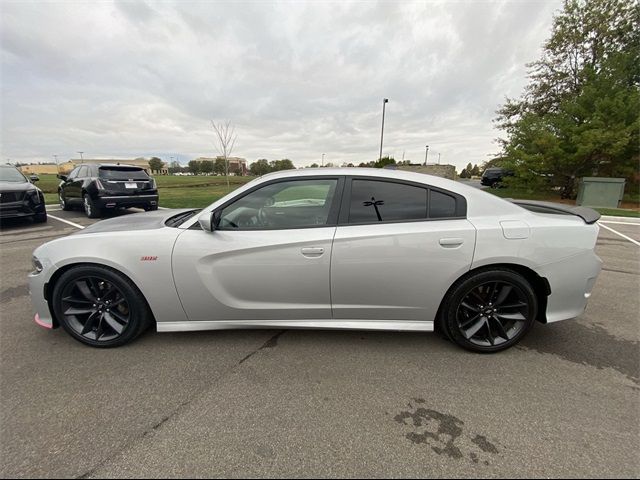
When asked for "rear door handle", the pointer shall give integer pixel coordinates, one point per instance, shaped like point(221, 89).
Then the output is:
point(451, 242)
point(312, 251)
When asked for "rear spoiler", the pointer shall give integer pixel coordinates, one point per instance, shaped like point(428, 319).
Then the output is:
point(587, 214)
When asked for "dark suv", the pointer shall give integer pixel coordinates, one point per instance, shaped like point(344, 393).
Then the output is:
point(494, 175)
point(19, 197)
point(105, 186)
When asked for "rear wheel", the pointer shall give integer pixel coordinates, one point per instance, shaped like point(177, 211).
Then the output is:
point(90, 207)
point(149, 208)
point(40, 217)
point(489, 311)
point(99, 306)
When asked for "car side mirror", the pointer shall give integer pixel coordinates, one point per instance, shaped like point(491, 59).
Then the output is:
point(209, 220)
point(62, 177)
point(34, 178)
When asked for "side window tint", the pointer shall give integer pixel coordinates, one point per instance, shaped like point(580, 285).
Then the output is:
point(376, 201)
point(74, 173)
point(83, 172)
point(441, 205)
point(292, 204)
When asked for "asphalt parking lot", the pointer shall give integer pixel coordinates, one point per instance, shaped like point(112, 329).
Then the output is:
point(564, 403)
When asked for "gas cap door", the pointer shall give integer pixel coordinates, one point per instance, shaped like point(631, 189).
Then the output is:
point(514, 229)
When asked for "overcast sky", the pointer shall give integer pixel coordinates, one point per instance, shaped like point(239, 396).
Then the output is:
point(128, 79)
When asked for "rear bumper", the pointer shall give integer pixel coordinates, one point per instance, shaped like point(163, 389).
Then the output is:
point(489, 181)
point(118, 201)
point(571, 281)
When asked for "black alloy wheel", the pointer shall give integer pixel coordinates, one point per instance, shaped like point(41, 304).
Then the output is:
point(490, 311)
point(99, 306)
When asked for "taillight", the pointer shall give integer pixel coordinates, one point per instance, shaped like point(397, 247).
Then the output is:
point(99, 184)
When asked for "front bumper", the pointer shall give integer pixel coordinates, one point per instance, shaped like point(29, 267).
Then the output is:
point(20, 209)
point(37, 284)
point(120, 201)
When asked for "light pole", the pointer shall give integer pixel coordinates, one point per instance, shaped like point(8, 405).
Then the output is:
point(438, 158)
point(81, 155)
point(322, 162)
point(384, 102)
point(426, 155)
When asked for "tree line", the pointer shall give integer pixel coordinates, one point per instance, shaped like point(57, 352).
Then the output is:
point(579, 114)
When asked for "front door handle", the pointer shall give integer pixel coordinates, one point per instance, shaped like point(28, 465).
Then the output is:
point(312, 251)
point(451, 242)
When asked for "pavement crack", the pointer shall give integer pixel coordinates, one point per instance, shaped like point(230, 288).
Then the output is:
point(271, 343)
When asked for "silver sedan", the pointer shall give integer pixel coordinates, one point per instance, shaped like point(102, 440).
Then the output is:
point(332, 248)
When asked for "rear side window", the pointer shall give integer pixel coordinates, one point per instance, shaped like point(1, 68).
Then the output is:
point(375, 201)
point(122, 173)
point(441, 205)
point(83, 172)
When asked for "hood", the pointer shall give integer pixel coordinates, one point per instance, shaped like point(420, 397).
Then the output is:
point(16, 186)
point(135, 221)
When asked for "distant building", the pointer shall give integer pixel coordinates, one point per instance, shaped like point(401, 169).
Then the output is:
point(236, 164)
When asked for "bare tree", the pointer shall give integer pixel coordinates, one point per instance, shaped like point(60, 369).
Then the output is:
point(225, 141)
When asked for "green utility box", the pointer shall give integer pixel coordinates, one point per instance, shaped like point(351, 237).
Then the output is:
point(600, 192)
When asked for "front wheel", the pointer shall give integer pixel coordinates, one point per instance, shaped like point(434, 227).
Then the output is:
point(99, 306)
point(489, 311)
point(63, 201)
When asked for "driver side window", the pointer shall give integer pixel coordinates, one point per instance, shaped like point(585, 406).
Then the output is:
point(281, 205)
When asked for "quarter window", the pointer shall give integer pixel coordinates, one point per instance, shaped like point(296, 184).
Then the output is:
point(281, 205)
point(377, 201)
point(441, 205)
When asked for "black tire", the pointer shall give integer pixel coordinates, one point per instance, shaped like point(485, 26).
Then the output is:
point(150, 208)
point(64, 205)
point(90, 208)
point(40, 217)
point(489, 310)
point(99, 306)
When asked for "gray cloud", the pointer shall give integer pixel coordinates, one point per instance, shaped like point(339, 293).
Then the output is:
point(298, 79)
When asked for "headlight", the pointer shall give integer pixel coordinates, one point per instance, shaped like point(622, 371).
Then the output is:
point(37, 265)
point(34, 196)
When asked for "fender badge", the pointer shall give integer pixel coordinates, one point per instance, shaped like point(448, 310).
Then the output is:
point(148, 259)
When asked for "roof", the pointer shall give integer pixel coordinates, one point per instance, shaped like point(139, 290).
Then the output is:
point(114, 165)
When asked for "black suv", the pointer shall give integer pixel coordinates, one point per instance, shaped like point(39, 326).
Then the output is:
point(99, 187)
point(19, 197)
point(494, 175)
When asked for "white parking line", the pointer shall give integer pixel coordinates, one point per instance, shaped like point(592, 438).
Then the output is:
point(620, 223)
point(73, 224)
point(620, 234)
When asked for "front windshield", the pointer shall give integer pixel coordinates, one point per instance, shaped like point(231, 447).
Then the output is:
point(11, 174)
